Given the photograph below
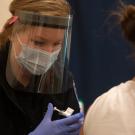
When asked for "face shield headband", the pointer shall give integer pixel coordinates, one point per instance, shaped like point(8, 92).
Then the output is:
point(32, 18)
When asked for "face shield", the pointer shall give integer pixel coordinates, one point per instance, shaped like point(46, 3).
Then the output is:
point(39, 53)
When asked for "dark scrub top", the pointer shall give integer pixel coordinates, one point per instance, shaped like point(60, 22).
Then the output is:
point(21, 112)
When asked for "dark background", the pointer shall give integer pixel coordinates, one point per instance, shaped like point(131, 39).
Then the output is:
point(100, 56)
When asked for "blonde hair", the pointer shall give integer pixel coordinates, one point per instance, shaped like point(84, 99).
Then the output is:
point(43, 7)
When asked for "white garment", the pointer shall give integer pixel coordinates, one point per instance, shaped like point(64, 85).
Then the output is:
point(113, 113)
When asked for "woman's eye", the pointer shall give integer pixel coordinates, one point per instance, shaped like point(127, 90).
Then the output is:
point(38, 43)
point(59, 44)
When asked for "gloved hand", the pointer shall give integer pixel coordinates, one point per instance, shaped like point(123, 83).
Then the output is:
point(67, 126)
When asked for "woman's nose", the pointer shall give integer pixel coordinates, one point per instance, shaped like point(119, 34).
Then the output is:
point(49, 49)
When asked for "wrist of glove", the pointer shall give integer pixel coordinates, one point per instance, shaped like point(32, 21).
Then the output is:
point(67, 126)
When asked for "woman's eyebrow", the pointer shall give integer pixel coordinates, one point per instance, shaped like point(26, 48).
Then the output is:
point(40, 37)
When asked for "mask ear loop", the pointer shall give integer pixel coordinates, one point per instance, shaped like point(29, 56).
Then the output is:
point(19, 43)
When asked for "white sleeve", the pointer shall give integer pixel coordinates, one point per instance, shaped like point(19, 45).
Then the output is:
point(112, 113)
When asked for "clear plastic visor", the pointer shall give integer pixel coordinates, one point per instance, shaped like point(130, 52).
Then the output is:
point(39, 53)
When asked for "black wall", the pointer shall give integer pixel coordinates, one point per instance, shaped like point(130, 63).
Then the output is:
point(99, 53)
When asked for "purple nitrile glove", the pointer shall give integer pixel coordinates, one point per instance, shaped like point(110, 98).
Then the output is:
point(66, 126)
